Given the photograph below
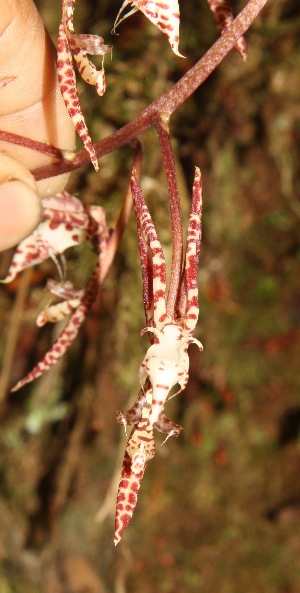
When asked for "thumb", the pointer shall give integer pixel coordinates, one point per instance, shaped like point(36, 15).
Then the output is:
point(20, 205)
point(31, 104)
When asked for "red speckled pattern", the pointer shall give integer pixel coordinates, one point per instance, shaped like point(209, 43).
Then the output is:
point(166, 363)
point(69, 44)
point(67, 222)
point(223, 16)
point(165, 15)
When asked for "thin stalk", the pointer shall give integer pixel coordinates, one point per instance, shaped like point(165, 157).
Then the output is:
point(47, 149)
point(162, 127)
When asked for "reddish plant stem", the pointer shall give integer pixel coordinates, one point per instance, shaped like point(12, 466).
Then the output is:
point(162, 127)
point(170, 100)
point(32, 144)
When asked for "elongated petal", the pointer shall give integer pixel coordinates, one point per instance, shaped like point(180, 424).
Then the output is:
point(66, 337)
point(154, 277)
point(89, 72)
point(223, 16)
point(57, 312)
point(163, 14)
point(68, 88)
point(57, 350)
point(81, 45)
point(66, 223)
point(127, 497)
point(188, 307)
point(29, 252)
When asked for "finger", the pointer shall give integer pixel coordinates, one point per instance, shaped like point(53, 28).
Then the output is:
point(20, 205)
point(30, 101)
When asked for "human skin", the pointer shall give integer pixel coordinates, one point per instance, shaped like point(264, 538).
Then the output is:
point(30, 105)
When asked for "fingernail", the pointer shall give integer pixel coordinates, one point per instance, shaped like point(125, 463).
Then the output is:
point(20, 212)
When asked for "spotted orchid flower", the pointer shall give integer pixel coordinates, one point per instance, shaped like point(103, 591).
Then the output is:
point(71, 45)
point(67, 222)
point(166, 363)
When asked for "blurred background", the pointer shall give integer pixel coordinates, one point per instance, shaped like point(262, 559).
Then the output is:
point(219, 507)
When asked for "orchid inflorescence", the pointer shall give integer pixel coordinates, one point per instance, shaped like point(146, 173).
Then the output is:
point(171, 317)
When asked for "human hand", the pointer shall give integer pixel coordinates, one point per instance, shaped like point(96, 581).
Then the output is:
point(30, 105)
